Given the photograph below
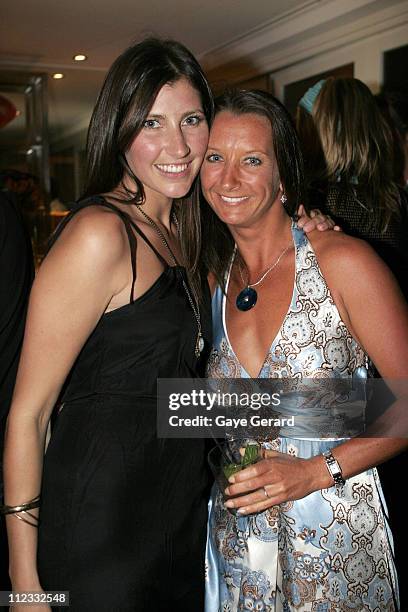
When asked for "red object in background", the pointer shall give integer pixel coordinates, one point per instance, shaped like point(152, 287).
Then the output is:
point(7, 111)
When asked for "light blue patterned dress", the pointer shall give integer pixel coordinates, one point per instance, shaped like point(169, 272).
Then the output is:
point(332, 550)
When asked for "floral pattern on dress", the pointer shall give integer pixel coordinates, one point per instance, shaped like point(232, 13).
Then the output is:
point(332, 550)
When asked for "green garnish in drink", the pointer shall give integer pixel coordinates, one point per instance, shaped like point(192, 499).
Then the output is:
point(250, 455)
point(231, 468)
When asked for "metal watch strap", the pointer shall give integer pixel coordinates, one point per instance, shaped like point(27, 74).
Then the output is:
point(334, 468)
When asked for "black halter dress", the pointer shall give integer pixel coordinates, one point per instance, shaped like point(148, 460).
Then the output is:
point(123, 513)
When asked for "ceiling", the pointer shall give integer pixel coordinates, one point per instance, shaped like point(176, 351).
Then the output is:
point(41, 36)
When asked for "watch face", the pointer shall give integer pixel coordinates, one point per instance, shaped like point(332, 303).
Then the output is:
point(334, 468)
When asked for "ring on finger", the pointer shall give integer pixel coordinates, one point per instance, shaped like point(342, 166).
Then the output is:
point(265, 491)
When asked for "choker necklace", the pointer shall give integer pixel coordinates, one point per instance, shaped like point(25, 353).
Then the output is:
point(247, 298)
point(199, 345)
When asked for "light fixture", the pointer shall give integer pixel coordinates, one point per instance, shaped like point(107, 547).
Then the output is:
point(80, 57)
point(58, 75)
point(7, 111)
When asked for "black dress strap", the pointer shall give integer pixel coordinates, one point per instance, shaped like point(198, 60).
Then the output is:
point(128, 222)
point(146, 239)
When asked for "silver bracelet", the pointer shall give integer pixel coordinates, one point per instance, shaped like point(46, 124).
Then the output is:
point(334, 468)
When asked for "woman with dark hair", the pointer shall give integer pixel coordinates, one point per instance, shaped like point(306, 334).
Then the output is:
point(118, 302)
point(393, 106)
point(309, 531)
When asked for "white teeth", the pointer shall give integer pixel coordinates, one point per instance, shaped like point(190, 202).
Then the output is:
point(233, 200)
point(172, 168)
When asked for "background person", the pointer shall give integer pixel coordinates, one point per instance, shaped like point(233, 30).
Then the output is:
point(394, 108)
point(348, 152)
point(352, 156)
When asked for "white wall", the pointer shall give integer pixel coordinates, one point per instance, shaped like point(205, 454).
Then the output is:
point(366, 54)
point(319, 36)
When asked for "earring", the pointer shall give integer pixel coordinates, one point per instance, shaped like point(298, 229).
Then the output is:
point(283, 199)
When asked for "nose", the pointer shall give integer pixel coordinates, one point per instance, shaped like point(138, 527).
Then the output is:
point(177, 145)
point(230, 177)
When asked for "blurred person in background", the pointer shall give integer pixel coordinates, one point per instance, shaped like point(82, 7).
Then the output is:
point(348, 152)
point(394, 108)
point(56, 205)
point(349, 156)
point(26, 188)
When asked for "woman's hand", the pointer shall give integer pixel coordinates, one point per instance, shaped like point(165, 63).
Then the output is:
point(274, 480)
point(315, 220)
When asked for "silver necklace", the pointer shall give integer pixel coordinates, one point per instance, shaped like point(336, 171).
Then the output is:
point(247, 298)
point(199, 345)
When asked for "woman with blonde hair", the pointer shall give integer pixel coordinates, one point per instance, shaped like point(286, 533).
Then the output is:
point(348, 153)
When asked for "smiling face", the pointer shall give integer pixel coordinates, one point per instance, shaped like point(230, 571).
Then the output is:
point(167, 153)
point(239, 176)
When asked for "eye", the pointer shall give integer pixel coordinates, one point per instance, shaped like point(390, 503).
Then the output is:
point(193, 120)
point(213, 158)
point(253, 161)
point(151, 123)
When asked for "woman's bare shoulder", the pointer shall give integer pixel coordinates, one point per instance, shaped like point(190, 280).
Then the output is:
point(351, 265)
point(94, 232)
point(337, 248)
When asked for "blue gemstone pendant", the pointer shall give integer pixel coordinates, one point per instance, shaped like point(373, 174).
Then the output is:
point(246, 299)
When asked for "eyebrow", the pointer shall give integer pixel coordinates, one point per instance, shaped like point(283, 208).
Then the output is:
point(213, 148)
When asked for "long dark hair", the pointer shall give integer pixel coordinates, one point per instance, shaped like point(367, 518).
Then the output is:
point(218, 243)
point(126, 97)
point(393, 106)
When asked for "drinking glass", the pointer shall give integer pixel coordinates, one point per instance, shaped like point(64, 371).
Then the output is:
point(230, 457)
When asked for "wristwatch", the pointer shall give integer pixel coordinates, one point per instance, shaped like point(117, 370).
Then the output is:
point(334, 468)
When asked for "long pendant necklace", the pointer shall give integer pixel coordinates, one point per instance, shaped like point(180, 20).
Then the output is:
point(247, 298)
point(199, 345)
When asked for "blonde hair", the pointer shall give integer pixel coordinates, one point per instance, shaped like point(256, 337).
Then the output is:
point(357, 146)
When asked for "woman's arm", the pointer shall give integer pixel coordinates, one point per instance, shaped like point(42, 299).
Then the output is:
point(73, 288)
point(371, 305)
